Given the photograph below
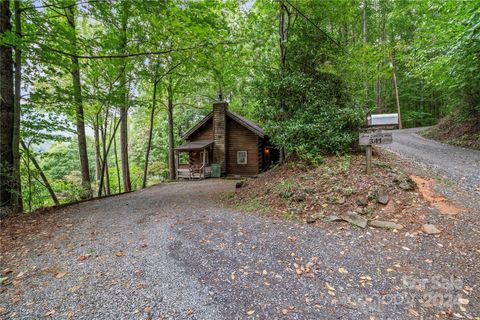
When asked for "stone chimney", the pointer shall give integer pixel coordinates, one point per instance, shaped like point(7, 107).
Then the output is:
point(219, 133)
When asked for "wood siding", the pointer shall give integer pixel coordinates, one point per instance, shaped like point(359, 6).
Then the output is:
point(205, 132)
point(241, 139)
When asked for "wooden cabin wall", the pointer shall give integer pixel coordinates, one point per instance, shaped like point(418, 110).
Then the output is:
point(241, 139)
point(205, 132)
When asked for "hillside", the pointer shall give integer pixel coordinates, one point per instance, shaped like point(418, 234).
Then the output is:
point(462, 133)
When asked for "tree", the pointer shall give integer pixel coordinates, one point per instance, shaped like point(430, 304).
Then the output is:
point(77, 95)
point(7, 114)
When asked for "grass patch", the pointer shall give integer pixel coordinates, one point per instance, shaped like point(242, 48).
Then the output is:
point(253, 205)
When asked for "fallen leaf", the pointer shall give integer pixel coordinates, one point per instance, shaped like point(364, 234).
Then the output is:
point(60, 275)
point(284, 312)
point(20, 274)
point(342, 270)
point(406, 248)
point(74, 289)
point(120, 253)
point(250, 312)
point(50, 313)
point(83, 257)
point(463, 301)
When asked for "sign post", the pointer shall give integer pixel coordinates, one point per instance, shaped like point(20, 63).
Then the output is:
point(369, 139)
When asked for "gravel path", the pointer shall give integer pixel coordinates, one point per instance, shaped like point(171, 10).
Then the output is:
point(172, 252)
point(454, 163)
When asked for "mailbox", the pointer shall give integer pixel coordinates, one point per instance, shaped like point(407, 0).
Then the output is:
point(386, 119)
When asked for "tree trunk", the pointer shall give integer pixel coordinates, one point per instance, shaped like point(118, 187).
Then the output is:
point(7, 112)
point(96, 135)
point(17, 201)
point(150, 134)
point(119, 182)
point(77, 94)
point(365, 40)
point(171, 142)
point(124, 109)
point(42, 175)
point(283, 28)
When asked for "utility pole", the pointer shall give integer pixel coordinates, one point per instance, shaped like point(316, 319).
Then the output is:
point(396, 90)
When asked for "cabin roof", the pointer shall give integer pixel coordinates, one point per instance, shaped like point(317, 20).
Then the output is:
point(249, 124)
point(194, 145)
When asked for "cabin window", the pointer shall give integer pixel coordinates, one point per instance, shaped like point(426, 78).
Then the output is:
point(241, 157)
point(206, 157)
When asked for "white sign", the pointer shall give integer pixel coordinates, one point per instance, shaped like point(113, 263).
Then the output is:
point(368, 139)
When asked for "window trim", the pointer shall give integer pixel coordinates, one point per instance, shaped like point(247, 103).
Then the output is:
point(207, 160)
point(238, 157)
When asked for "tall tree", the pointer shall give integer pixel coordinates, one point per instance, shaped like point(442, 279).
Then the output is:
point(127, 185)
point(7, 112)
point(78, 100)
point(18, 203)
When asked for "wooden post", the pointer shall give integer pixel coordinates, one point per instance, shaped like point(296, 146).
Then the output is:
point(369, 147)
point(203, 163)
point(369, 159)
point(177, 165)
point(396, 90)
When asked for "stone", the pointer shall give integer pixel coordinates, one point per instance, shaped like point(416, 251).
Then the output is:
point(240, 184)
point(382, 197)
point(298, 197)
point(311, 218)
point(341, 200)
point(294, 210)
point(362, 202)
point(406, 186)
point(430, 229)
point(335, 218)
point(385, 224)
point(355, 219)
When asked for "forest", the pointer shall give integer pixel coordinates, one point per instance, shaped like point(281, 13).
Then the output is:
point(97, 93)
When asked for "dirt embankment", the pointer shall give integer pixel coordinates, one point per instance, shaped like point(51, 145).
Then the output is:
point(320, 194)
point(458, 132)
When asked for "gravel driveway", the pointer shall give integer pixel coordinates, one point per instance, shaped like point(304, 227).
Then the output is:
point(460, 165)
point(172, 252)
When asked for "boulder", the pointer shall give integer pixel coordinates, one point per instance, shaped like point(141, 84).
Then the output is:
point(298, 197)
point(382, 197)
point(385, 224)
point(355, 219)
point(335, 218)
point(430, 229)
point(362, 202)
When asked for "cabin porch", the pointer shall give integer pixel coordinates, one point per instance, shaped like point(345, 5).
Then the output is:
point(192, 160)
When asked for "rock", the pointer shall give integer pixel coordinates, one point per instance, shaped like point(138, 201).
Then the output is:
point(311, 218)
point(430, 229)
point(341, 200)
point(299, 197)
point(382, 197)
point(240, 184)
point(385, 224)
point(355, 218)
point(362, 202)
point(362, 211)
point(294, 210)
point(404, 182)
point(406, 186)
point(334, 218)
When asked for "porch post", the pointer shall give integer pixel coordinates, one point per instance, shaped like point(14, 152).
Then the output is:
point(176, 164)
point(203, 162)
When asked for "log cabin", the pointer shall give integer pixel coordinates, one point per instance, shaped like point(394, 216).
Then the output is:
point(227, 142)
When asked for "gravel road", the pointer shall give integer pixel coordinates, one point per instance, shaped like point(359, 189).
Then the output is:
point(172, 252)
point(454, 163)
